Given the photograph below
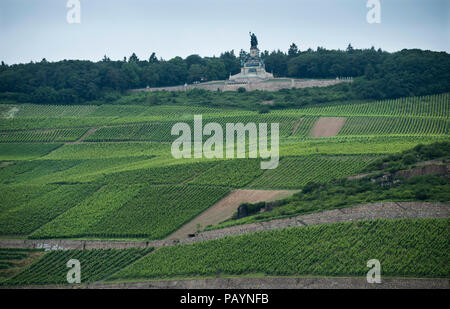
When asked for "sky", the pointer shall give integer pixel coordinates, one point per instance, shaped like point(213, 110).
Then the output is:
point(34, 29)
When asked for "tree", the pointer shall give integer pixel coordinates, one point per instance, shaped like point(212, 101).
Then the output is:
point(153, 58)
point(215, 70)
point(276, 62)
point(133, 58)
point(293, 50)
point(43, 95)
point(350, 48)
point(194, 59)
point(231, 62)
point(196, 72)
point(369, 72)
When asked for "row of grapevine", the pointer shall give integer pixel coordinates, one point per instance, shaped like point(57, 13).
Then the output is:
point(162, 112)
point(405, 248)
point(394, 125)
point(304, 126)
point(171, 174)
point(53, 111)
point(426, 106)
point(133, 211)
point(51, 135)
point(45, 171)
point(230, 173)
point(15, 195)
point(24, 218)
point(161, 131)
point(13, 260)
point(76, 111)
point(25, 151)
point(95, 265)
point(295, 172)
point(108, 150)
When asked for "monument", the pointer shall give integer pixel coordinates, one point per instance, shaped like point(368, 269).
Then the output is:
point(252, 68)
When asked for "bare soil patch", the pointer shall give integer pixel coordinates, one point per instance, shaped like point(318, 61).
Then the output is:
point(226, 207)
point(327, 126)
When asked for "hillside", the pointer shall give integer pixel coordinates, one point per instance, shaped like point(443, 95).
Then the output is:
point(103, 176)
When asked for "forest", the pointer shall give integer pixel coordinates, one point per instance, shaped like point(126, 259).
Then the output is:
point(377, 74)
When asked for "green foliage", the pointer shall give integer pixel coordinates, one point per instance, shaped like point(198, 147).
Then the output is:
point(394, 126)
point(12, 260)
point(231, 173)
point(16, 195)
point(24, 218)
point(316, 197)
point(403, 160)
point(56, 135)
point(137, 211)
point(78, 190)
point(158, 211)
point(95, 264)
point(93, 151)
point(172, 174)
point(381, 74)
point(405, 248)
point(295, 172)
point(13, 151)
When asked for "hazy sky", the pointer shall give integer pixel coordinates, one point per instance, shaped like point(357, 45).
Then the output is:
point(34, 29)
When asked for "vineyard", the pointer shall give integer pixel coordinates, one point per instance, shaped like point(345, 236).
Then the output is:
point(435, 106)
point(135, 211)
point(405, 248)
point(230, 173)
point(96, 265)
point(25, 151)
point(56, 135)
point(13, 261)
point(394, 126)
point(33, 213)
point(295, 172)
point(106, 172)
point(88, 184)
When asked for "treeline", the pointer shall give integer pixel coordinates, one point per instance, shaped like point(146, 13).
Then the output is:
point(378, 74)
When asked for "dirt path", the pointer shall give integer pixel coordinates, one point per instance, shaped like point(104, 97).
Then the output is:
point(226, 207)
point(263, 283)
point(327, 126)
point(283, 283)
point(86, 134)
point(382, 210)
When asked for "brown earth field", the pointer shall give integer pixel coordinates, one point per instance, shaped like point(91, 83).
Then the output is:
point(327, 126)
point(226, 207)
